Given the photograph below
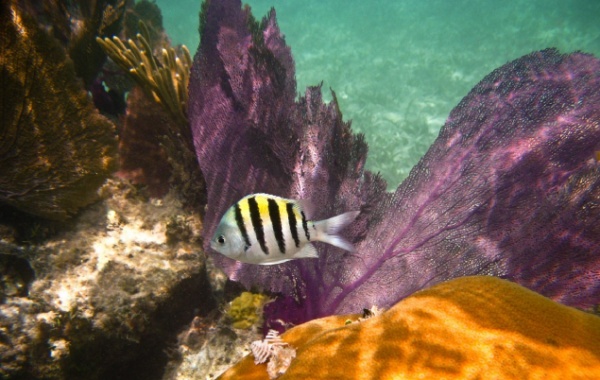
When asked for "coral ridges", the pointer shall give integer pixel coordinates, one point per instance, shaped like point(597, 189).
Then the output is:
point(467, 328)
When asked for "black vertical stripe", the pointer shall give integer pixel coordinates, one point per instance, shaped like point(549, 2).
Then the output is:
point(257, 224)
point(305, 226)
point(292, 223)
point(240, 223)
point(276, 223)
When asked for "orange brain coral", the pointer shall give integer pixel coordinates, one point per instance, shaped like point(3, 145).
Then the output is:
point(469, 328)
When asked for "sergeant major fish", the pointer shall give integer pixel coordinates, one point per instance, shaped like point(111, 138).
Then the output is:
point(266, 229)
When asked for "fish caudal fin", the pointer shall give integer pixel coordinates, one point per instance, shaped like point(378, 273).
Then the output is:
point(328, 229)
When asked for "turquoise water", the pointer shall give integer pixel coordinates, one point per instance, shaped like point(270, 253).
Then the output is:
point(399, 67)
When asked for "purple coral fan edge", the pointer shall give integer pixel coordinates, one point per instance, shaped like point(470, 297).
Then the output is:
point(421, 235)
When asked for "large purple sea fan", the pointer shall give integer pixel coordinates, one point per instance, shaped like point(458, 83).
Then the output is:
point(251, 135)
point(510, 187)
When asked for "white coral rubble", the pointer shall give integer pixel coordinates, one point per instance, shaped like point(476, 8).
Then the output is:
point(274, 350)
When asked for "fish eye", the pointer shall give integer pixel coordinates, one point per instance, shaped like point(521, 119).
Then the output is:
point(221, 239)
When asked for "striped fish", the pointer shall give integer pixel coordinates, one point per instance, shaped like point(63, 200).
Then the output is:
point(266, 229)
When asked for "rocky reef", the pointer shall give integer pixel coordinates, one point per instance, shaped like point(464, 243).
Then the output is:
point(105, 298)
point(97, 276)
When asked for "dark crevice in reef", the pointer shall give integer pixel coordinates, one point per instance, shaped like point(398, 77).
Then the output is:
point(120, 358)
point(16, 275)
point(25, 228)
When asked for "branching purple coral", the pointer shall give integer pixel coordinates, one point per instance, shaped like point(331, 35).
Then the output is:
point(510, 187)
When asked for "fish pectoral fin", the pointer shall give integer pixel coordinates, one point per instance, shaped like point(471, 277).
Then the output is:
point(308, 251)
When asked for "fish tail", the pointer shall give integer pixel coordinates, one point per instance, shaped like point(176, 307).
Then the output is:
point(328, 230)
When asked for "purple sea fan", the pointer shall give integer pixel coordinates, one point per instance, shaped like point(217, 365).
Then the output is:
point(241, 86)
point(510, 187)
point(251, 135)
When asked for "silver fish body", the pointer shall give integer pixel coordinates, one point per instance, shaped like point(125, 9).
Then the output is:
point(265, 229)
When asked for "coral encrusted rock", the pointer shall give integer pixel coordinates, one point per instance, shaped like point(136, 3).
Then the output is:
point(108, 297)
point(468, 328)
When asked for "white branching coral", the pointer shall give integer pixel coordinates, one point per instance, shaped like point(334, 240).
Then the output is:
point(274, 350)
point(263, 349)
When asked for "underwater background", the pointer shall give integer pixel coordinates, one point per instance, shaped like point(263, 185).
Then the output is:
point(120, 153)
point(399, 67)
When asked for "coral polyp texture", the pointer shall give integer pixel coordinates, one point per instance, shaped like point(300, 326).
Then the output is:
point(55, 148)
point(509, 188)
point(467, 328)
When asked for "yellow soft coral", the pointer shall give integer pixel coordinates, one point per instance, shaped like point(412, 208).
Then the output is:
point(469, 328)
point(164, 80)
point(246, 310)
